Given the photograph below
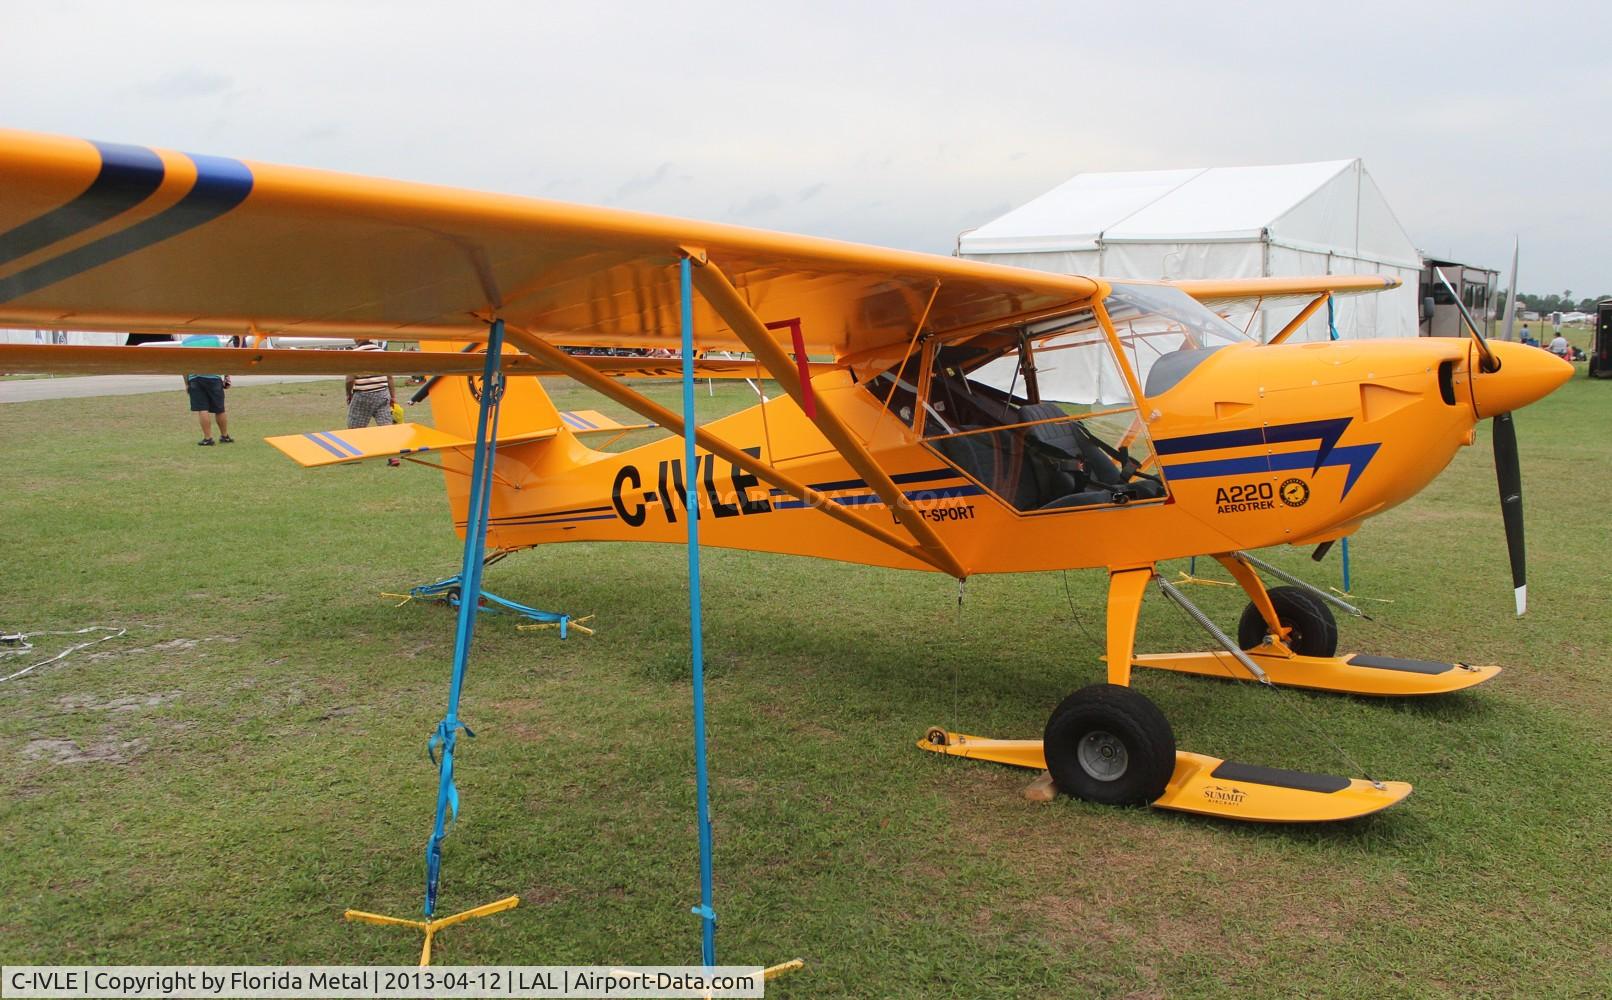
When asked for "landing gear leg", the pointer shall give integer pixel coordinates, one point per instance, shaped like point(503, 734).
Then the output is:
point(1125, 590)
point(1259, 598)
point(1281, 621)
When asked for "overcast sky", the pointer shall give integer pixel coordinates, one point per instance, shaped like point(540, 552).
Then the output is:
point(899, 123)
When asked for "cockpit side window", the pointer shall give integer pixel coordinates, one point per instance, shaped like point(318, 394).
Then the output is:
point(897, 390)
point(1040, 416)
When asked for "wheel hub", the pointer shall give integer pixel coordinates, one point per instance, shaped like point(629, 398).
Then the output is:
point(1101, 755)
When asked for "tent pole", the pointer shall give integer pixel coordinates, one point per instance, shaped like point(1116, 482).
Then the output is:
point(1332, 334)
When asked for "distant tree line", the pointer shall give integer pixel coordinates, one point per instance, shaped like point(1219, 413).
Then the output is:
point(1558, 302)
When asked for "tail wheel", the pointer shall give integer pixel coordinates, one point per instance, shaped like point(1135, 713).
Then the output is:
point(1312, 629)
point(1108, 744)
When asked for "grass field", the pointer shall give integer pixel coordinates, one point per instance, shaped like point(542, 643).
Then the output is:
point(249, 760)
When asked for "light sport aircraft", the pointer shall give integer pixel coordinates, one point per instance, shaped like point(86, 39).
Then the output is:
point(971, 419)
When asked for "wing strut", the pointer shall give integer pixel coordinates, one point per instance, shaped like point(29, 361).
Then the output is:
point(730, 305)
point(1302, 318)
point(637, 402)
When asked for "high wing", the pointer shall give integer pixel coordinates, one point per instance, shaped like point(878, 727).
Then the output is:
point(1246, 294)
point(100, 236)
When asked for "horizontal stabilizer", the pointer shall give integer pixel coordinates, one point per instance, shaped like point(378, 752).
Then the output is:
point(594, 422)
point(395, 441)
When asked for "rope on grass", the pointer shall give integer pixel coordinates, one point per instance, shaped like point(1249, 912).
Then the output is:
point(17, 644)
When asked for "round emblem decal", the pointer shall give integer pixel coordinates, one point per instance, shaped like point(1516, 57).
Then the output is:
point(475, 388)
point(1294, 492)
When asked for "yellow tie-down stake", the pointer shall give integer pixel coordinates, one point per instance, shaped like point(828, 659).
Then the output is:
point(430, 927)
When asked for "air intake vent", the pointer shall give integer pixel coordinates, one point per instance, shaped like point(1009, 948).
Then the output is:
point(1446, 382)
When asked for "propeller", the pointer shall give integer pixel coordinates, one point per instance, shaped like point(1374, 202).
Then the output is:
point(1507, 465)
point(1508, 471)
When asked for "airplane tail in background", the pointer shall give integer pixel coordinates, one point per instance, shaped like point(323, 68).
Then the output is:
point(456, 401)
point(536, 440)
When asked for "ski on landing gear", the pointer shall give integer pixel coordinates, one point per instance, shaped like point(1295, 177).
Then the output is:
point(1199, 783)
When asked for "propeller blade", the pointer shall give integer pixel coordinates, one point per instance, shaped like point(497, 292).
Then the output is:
point(1511, 292)
point(1508, 472)
point(1486, 355)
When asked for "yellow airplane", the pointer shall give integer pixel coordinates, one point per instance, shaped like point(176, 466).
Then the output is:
point(961, 417)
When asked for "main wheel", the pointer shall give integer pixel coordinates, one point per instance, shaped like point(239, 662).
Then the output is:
point(1108, 744)
point(1314, 632)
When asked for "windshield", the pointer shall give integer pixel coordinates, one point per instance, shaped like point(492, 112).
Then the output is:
point(1166, 333)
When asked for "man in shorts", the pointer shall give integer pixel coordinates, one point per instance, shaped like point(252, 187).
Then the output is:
point(371, 397)
point(207, 396)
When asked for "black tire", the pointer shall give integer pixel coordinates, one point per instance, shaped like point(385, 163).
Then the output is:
point(1129, 751)
point(1315, 631)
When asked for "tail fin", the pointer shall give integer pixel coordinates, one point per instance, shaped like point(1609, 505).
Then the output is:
point(525, 408)
point(536, 441)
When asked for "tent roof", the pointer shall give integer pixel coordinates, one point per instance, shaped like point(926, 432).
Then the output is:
point(1320, 204)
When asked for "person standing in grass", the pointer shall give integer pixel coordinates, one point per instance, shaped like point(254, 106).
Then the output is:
point(207, 395)
point(370, 397)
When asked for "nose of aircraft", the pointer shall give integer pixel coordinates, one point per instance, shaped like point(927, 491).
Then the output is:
point(1526, 374)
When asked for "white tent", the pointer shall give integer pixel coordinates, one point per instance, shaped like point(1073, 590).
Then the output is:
point(61, 337)
point(1221, 222)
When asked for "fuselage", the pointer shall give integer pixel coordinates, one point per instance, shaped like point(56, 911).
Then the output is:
point(1256, 446)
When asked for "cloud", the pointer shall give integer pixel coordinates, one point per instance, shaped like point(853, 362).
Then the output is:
point(185, 84)
point(639, 183)
point(324, 132)
point(762, 204)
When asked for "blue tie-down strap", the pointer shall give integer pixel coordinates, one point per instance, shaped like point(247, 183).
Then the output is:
point(447, 738)
point(704, 913)
point(433, 873)
point(451, 589)
point(448, 591)
point(441, 590)
point(493, 601)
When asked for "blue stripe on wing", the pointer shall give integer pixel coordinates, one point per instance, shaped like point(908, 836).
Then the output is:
point(221, 184)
